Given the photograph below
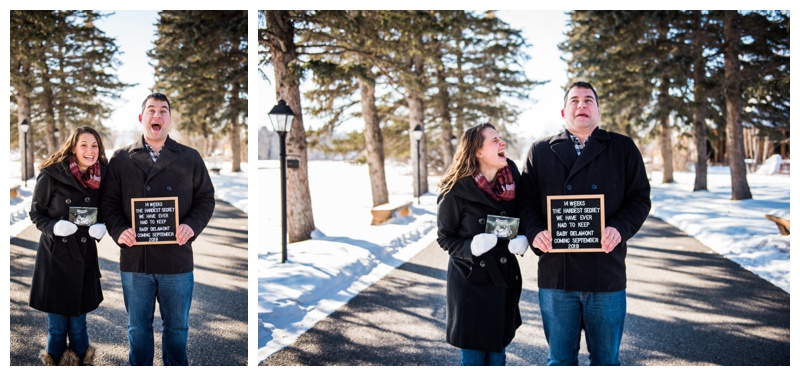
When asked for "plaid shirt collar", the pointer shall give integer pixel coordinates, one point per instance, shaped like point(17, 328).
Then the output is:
point(153, 153)
point(577, 142)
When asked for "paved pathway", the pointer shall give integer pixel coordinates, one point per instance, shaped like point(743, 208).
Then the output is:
point(687, 305)
point(217, 320)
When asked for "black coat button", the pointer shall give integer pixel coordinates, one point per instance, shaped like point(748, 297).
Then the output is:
point(68, 201)
point(503, 260)
point(569, 187)
point(169, 187)
point(594, 186)
point(63, 240)
point(148, 188)
point(87, 199)
point(83, 239)
point(482, 221)
point(482, 264)
point(502, 213)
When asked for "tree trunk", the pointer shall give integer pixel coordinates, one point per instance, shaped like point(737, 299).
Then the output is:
point(740, 190)
point(665, 134)
point(235, 137)
point(374, 143)
point(448, 150)
point(49, 115)
point(701, 144)
point(665, 142)
point(419, 158)
point(459, 109)
point(699, 115)
point(299, 214)
point(236, 144)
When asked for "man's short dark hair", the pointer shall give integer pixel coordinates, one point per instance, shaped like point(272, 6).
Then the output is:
point(581, 84)
point(160, 97)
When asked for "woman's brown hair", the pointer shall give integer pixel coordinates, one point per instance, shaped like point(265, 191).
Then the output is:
point(465, 163)
point(66, 149)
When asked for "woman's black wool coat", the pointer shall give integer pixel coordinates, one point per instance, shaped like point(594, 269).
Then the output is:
point(66, 275)
point(482, 292)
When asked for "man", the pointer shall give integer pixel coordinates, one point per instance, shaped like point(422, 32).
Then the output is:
point(157, 166)
point(584, 291)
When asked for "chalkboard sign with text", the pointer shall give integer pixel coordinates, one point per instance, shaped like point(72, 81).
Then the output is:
point(155, 220)
point(576, 223)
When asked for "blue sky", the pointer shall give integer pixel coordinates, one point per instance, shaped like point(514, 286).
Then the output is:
point(134, 31)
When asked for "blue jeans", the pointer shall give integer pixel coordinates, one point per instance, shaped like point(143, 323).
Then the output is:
point(59, 327)
point(174, 295)
point(482, 358)
point(601, 315)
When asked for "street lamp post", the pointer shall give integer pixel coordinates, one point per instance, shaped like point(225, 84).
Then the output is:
point(24, 127)
point(418, 136)
point(281, 117)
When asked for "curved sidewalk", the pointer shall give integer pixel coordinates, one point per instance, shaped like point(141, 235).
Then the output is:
point(687, 306)
point(218, 316)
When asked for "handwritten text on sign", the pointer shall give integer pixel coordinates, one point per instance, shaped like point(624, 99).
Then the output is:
point(155, 220)
point(576, 223)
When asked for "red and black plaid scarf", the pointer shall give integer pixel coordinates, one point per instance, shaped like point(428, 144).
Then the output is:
point(502, 188)
point(89, 179)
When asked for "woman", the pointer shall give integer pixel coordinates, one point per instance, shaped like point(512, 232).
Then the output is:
point(66, 276)
point(483, 277)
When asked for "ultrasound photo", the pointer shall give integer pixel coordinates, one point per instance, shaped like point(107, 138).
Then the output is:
point(83, 216)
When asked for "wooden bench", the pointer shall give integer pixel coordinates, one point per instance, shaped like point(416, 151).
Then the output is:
point(385, 212)
point(14, 190)
point(782, 223)
point(785, 167)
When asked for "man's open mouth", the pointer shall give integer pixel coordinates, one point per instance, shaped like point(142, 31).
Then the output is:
point(156, 127)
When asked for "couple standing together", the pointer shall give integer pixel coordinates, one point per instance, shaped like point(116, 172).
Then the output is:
point(66, 277)
point(577, 291)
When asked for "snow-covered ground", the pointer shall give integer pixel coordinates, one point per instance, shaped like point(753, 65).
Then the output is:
point(346, 254)
point(737, 230)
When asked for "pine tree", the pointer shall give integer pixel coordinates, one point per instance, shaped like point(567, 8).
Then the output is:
point(91, 63)
point(338, 71)
point(733, 106)
point(697, 25)
point(631, 57)
point(28, 30)
point(201, 61)
point(277, 36)
point(408, 56)
point(681, 59)
point(62, 74)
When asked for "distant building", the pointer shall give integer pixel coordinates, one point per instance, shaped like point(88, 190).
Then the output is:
point(268, 144)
